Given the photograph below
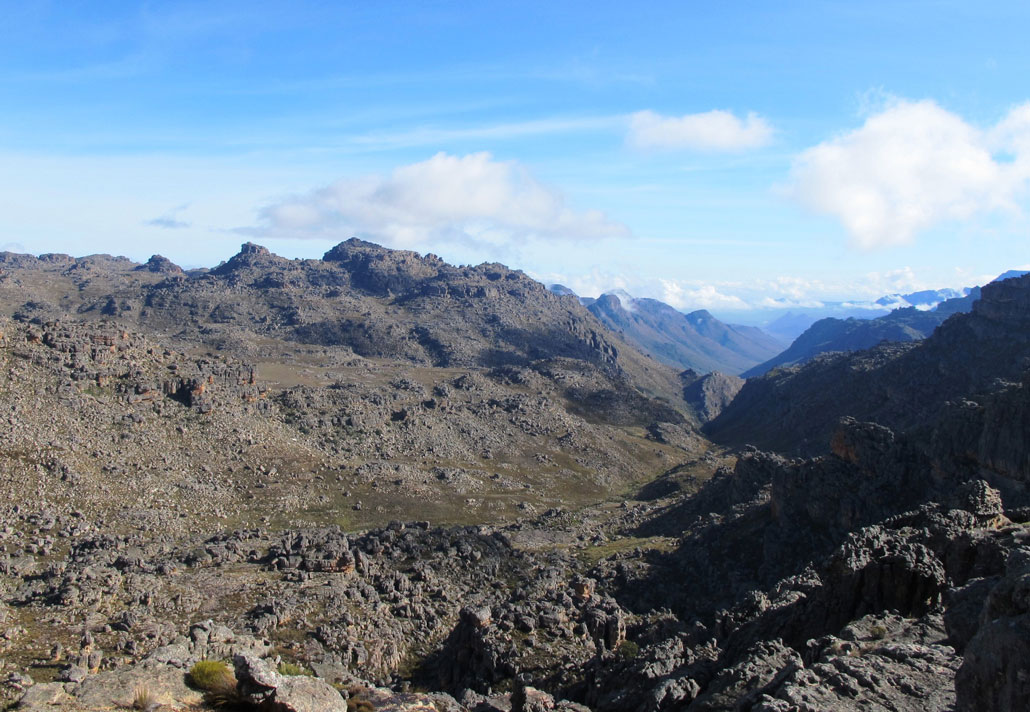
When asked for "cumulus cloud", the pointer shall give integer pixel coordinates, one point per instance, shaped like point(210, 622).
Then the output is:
point(689, 297)
point(709, 131)
point(911, 166)
point(473, 199)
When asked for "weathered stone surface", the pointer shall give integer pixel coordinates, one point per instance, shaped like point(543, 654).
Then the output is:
point(995, 672)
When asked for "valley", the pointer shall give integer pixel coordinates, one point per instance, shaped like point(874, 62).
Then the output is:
point(439, 487)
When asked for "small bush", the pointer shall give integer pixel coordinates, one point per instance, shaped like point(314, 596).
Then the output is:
point(356, 700)
point(210, 674)
point(878, 632)
point(628, 650)
point(360, 704)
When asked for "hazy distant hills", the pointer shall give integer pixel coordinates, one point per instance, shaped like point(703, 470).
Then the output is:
point(912, 321)
point(895, 384)
point(851, 334)
point(925, 299)
point(789, 323)
point(696, 341)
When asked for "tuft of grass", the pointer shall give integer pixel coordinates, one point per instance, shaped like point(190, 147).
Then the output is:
point(286, 668)
point(210, 674)
point(878, 632)
point(143, 699)
point(218, 683)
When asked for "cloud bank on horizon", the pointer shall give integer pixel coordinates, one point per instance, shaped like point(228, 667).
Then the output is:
point(738, 297)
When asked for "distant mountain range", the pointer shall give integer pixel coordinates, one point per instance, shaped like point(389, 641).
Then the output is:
point(924, 300)
point(923, 312)
point(789, 322)
point(897, 385)
point(702, 343)
point(696, 341)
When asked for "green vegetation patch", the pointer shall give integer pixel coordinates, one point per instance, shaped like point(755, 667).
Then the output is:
point(593, 554)
point(294, 670)
point(210, 675)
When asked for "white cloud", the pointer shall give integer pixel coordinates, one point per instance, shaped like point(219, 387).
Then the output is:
point(585, 284)
point(466, 199)
point(912, 166)
point(690, 297)
point(709, 131)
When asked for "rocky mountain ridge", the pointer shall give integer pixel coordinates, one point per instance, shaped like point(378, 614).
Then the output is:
point(268, 463)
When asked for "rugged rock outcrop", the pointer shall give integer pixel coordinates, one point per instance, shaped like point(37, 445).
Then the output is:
point(711, 393)
point(149, 482)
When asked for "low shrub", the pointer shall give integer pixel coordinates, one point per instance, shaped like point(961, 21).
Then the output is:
point(209, 674)
point(628, 650)
point(218, 683)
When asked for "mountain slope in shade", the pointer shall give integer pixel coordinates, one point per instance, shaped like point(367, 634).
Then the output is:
point(899, 385)
point(697, 340)
point(711, 393)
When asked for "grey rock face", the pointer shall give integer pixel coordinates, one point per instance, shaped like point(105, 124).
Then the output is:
point(995, 672)
point(261, 686)
point(711, 393)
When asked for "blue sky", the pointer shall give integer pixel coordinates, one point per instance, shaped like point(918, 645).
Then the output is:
point(719, 155)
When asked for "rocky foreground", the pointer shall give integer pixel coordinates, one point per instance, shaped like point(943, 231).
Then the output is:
point(538, 534)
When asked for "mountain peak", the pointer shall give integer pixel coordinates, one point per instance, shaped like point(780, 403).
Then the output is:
point(624, 297)
point(1010, 274)
point(348, 248)
point(561, 290)
point(160, 265)
point(251, 248)
point(250, 254)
